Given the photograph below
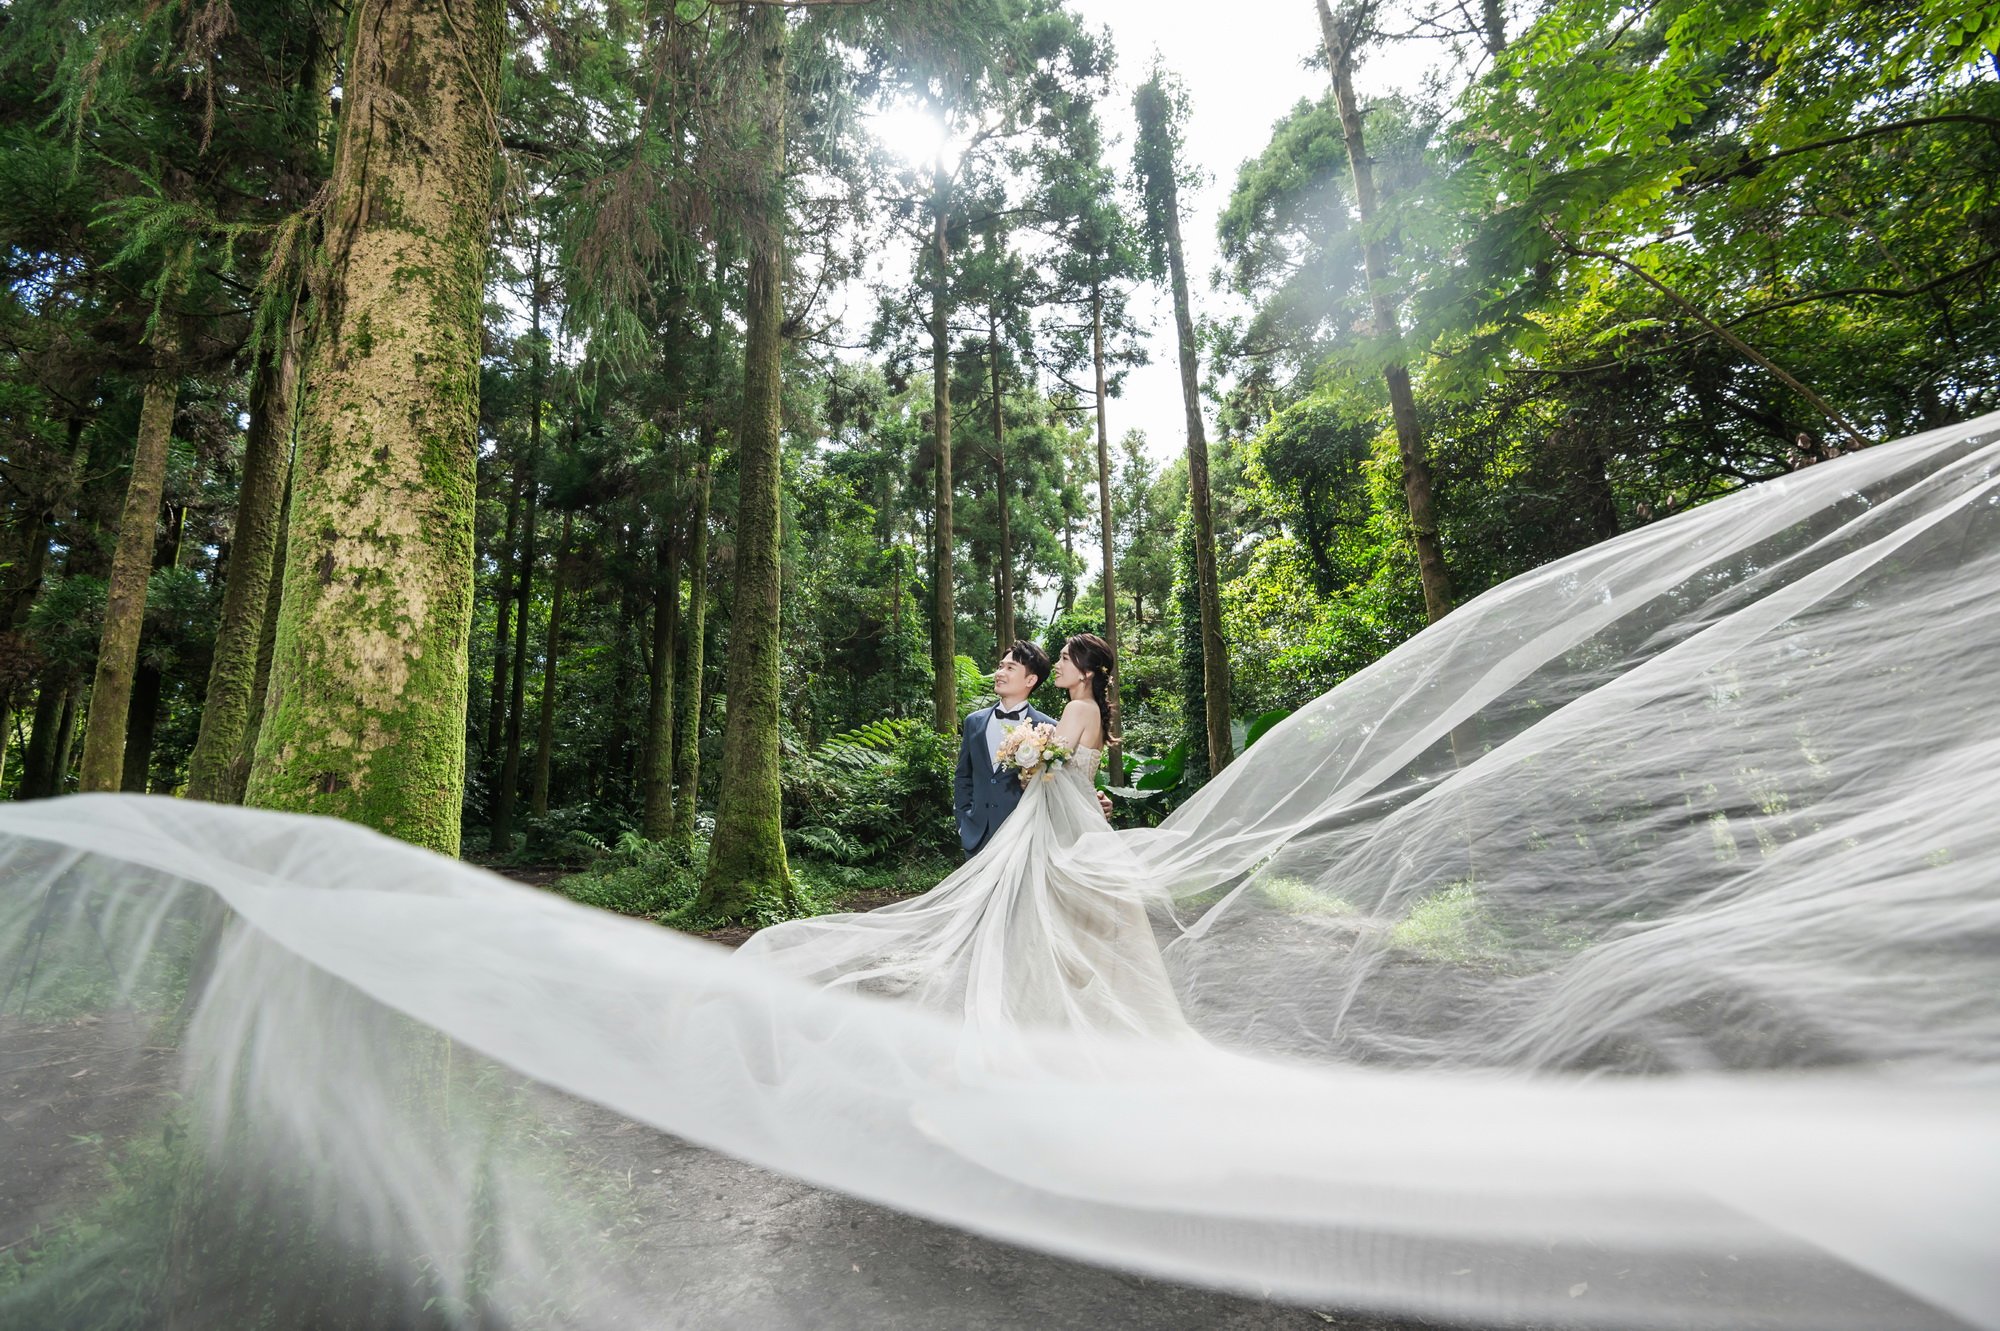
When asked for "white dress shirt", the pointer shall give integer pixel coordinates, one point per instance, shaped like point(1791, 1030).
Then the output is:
point(996, 731)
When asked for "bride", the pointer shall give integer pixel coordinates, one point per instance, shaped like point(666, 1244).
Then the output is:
point(1046, 927)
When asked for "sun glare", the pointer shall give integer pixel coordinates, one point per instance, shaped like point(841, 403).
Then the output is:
point(912, 132)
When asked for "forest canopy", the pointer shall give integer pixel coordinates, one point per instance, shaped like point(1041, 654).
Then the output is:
point(623, 435)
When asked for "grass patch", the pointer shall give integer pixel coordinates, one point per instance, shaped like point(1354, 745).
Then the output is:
point(1295, 896)
point(1447, 925)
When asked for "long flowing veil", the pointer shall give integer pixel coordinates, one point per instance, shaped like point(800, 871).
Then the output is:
point(1624, 949)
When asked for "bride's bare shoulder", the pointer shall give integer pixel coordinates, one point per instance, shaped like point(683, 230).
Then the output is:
point(1082, 714)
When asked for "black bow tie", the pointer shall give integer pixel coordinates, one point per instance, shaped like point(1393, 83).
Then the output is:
point(1010, 716)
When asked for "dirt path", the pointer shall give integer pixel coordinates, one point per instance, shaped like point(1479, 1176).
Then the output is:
point(774, 1253)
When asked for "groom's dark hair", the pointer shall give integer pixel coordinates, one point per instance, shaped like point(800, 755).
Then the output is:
point(1032, 658)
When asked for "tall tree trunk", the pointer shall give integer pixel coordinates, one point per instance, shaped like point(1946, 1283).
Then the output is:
point(746, 863)
point(618, 740)
point(38, 764)
point(267, 644)
point(944, 612)
point(1214, 652)
point(657, 819)
point(40, 524)
point(545, 727)
point(1116, 757)
point(688, 660)
point(503, 628)
point(1003, 622)
point(267, 449)
point(59, 766)
point(141, 724)
point(1341, 41)
point(125, 595)
point(366, 718)
point(507, 788)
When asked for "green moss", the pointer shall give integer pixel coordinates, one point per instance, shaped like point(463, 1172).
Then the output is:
point(1447, 925)
point(1295, 896)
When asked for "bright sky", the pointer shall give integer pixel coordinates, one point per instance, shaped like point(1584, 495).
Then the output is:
point(1242, 67)
point(1242, 76)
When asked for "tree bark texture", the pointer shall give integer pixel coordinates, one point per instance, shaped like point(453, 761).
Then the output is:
point(503, 628)
point(214, 766)
point(267, 645)
point(545, 725)
point(1116, 755)
point(1341, 39)
point(142, 723)
point(944, 611)
point(366, 716)
point(1214, 651)
point(125, 594)
point(688, 660)
point(746, 862)
point(657, 816)
point(507, 789)
point(38, 763)
point(1003, 623)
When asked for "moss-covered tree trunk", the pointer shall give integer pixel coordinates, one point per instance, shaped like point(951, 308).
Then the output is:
point(1116, 757)
point(125, 594)
point(656, 820)
point(217, 768)
point(690, 681)
point(688, 660)
point(1341, 40)
point(366, 716)
point(944, 612)
point(545, 725)
point(746, 862)
point(267, 642)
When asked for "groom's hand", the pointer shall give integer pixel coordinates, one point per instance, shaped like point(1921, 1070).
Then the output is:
point(1104, 803)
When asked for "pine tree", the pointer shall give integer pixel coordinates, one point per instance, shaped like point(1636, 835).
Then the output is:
point(746, 863)
point(1161, 107)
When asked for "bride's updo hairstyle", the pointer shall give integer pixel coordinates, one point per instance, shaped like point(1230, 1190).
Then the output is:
point(1092, 655)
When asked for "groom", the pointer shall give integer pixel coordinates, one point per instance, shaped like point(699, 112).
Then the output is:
point(983, 794)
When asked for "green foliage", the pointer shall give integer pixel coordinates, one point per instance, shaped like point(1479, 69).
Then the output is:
point(653, 880)
point(66, 622)
point(880, 794)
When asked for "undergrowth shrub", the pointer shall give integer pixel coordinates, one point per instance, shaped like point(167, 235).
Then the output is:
point(879, 794)
point(650, 879)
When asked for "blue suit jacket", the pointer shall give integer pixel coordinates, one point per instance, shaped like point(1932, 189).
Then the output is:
point(982, 797)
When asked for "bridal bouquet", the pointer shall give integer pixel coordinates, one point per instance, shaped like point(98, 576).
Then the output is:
point(1030, 748)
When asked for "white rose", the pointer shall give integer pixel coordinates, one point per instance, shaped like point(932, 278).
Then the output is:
point(1028, 755)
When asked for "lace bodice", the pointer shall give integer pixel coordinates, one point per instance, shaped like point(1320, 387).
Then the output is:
point(1082, 766)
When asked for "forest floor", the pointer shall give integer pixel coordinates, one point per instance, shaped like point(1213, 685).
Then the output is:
point(774, 1253)
point(787, 1254)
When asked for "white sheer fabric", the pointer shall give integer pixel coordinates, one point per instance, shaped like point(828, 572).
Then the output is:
point(1625, 948)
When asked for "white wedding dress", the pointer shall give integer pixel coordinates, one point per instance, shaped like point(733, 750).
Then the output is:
point(1048, 929)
